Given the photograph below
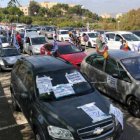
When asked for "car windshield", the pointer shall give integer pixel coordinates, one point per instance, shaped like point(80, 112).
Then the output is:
point(64, 32)
point(130, 37)
point(137, 33)
point(50, 29)
point(61, 83)
point(93, 35)
point(68, 49)
point(30, 30)
point(10, 52)
point(4, 40)
point(133, 66)
point(38, 40)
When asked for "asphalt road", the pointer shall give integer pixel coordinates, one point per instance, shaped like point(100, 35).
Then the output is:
point(13, 125)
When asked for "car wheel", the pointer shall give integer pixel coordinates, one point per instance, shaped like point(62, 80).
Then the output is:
point(89, 44)
point(31, 53)
point(134, 106)
point(39, 135)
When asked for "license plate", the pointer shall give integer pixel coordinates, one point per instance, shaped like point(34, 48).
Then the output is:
point(109, 138)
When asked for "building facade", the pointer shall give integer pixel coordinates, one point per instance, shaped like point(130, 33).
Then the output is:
point(25, 10)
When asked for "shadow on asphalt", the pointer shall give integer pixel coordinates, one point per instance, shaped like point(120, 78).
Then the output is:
point(9, 129)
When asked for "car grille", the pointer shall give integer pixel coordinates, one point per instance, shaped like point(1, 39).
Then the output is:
point(87, 132)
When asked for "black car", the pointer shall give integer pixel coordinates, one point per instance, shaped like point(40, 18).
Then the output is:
point(59, 103)
point(8, 57)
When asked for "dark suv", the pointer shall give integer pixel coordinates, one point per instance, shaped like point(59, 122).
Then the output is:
point(59, 103)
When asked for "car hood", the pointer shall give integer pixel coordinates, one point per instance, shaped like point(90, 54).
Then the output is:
point(68, 113)
point(11, 59)
point(74, 58)
point(5, 44)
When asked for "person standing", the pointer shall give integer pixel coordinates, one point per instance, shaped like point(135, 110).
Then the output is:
point(99, 42)
point(19, 40)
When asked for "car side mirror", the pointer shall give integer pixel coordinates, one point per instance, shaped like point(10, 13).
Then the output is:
point(115, 75)
point(24, 95)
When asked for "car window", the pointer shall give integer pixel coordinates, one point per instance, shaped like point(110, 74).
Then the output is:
point(111, 67)
point(123, 74)
point(131, 37)
point(29, 82)
point(118, 38)
point(98, 62)
point(110, 36)
point(21, 72)
point(38, 40)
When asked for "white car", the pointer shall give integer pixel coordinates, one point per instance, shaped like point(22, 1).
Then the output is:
point(4, 41)
point(114, 40)
point(63, 35)
point(92, 36)
point(20, 27)
point(33, 43)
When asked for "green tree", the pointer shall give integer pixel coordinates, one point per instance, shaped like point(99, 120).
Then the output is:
point(34, 8)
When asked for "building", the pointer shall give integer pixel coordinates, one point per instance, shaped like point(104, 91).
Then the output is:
point(106, 15)
point(25, 10)
point(119, 15)
point(48, 5)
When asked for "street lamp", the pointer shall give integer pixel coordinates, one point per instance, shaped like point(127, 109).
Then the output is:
point(118, 25)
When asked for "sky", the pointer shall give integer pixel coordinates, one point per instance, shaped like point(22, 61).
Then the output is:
point(96, 6)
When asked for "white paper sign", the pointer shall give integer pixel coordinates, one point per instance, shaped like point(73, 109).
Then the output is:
point(63, 90)
point(117, 113)
point(75, 78)
point(112, 82)
point(94, 112)
point(44, 84)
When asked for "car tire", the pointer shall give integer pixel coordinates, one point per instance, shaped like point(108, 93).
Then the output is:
point(134, 106)
point(31, 53)
point(89, 44)
point(39, 135)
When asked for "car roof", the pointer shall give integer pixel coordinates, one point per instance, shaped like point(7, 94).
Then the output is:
point(90, 32)
point(42, 64)
point(120, 32)
point(121, 54)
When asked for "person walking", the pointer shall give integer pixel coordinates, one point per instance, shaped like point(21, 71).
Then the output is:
point(19, 40)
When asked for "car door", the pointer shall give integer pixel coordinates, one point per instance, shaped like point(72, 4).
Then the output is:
point(118, 82)
point(96, 71)
point(28, 94)
point(117, 42)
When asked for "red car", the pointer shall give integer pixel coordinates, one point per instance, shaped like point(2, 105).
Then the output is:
point(66, 51)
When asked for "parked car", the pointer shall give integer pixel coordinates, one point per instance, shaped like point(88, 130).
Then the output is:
point(5, 43)
point(137, 32)
point(59, 103)
point(92, 36)
point(63, 35)
point(48, 31)
point(66, 51)
point(20, 27)
point(33, 43)
point(8, 57)
point(114, 40)
point(118, 76)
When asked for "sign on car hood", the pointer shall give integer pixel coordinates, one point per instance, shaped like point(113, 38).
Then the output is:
point(69, 111)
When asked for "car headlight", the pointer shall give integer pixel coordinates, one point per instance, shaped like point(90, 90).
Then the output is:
point(1, 63)
point(60, 133)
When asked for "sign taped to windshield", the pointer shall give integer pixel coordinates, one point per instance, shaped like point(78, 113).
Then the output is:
point(44, 84)
point(63, 90)
point(74, 78)
point(112, 82)
point(93, 112)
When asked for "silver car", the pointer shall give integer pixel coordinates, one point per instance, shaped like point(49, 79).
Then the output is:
point(8, 57)
point(118, 76)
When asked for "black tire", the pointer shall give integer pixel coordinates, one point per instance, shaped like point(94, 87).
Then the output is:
point(31, 53)
point(134, 106)
point(89, 44)
point(39, 135)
